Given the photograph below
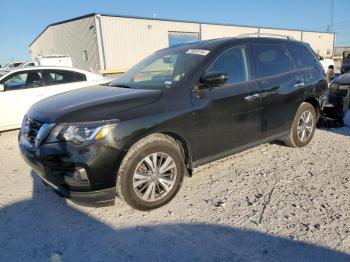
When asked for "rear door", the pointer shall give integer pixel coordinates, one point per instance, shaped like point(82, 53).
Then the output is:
point(282, 87)
point(227, 117)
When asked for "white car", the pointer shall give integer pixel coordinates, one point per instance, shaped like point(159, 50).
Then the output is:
point(20, 88)
point(12, 65)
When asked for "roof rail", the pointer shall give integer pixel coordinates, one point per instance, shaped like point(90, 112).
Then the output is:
point(266, 34)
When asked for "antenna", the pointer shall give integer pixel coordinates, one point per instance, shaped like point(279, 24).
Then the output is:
point(330, 27)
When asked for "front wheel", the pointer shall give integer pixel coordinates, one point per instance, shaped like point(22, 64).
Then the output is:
point(151, 173)
point(303, 127)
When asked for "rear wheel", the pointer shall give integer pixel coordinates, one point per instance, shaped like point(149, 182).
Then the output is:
point(303, 127)
point(151, 173)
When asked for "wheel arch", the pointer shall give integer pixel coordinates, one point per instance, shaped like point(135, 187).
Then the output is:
point(315, 103)
point(179, 139)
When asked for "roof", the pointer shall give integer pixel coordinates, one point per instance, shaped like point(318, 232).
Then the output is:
point(169, 20)
point(214, 43)
point(48, 67)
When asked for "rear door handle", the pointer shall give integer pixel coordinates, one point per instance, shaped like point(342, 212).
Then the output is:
point(300, 84)
point(252, 97)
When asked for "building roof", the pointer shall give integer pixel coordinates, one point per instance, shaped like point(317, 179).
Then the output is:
point(170, 20)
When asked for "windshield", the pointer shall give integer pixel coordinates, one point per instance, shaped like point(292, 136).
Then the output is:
point(346, 54)
point(162, 69)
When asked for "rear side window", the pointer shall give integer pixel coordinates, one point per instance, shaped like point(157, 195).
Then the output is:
point(234, 63)
point(56, 77)
point(270, 59)
point(302, 56)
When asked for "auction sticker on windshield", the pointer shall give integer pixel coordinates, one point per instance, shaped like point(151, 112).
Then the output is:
point(197, 52)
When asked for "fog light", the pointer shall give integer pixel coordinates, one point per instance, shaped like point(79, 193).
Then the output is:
point(80, 174)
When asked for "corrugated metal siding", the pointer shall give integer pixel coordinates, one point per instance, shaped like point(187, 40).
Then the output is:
point(322, 43)
point(128, 40)
point(117, 43)
point(70, 38)
point(216, 31)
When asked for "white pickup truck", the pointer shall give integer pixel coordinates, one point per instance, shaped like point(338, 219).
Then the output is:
point(325, 62)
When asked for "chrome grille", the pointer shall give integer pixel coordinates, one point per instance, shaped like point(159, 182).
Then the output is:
point(34, 132)
point(31, 130)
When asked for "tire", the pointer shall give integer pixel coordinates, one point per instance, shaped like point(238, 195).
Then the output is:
point(132, 188)
point(295, 139)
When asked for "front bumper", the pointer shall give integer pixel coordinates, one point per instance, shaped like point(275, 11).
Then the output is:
point(54, 163)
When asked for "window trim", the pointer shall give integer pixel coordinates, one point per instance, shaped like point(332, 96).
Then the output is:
point(248, 60)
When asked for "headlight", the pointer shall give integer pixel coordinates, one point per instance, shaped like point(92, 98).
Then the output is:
point(79, 133)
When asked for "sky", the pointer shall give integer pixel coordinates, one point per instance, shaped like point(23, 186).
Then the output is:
point(23, 20)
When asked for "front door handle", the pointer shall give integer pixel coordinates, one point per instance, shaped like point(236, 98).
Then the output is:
point(300, 84)
point(252, 97)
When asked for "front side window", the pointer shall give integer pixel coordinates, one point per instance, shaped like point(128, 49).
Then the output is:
point(23, 80)
point(234, 63)
point(162, 69)
point(302, 57)
point(270, 59)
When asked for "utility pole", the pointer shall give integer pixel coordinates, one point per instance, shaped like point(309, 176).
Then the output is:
point(330, 27)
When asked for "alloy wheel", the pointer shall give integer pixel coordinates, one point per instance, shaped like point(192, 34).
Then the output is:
point(305, 126)
point(154, 177)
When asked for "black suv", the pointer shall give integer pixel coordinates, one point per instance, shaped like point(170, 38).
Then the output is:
point(181, 107)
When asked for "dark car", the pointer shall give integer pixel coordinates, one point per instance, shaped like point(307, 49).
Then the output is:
point(338, 97)
point(179, 108)
point(345, 64)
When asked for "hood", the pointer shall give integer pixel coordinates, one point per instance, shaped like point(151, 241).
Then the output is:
point(94, 103)
point(343, 79)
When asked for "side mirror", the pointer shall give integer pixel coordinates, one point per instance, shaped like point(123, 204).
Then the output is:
point(213, 79)
point(167, 60)
point(2, 88)
point(321, 58)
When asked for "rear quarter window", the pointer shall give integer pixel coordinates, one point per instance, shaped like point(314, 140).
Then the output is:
point(270, 59)
point(301, 55)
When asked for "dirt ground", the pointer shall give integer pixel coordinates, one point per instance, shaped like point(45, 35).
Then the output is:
point(271, 203)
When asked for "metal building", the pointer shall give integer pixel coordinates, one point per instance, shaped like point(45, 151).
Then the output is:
point(108, 42)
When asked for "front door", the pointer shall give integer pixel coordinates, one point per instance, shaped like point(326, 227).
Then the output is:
point(227, 117)
point(22, 89)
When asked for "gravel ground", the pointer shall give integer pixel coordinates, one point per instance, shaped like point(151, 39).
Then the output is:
point(270, 203)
